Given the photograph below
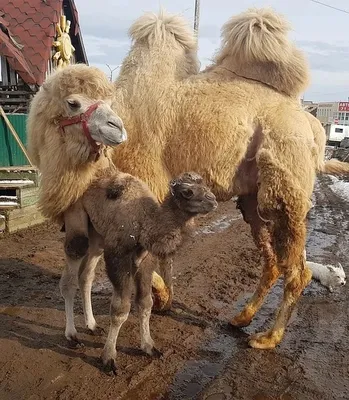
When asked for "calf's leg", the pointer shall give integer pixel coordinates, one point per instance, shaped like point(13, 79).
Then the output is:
point(86, 277)
point(119, 269)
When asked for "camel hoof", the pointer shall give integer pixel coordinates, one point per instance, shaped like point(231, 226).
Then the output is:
point(98, 331)
point(75, 343)
point(263, 340)
point(110, 367)
point(240, 322)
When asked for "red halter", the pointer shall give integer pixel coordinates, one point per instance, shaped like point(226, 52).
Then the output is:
point(83, 118)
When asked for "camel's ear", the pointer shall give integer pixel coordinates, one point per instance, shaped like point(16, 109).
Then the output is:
point(47, 86)
point(173, 184)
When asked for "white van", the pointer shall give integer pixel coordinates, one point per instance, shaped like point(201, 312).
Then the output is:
point(336, 133)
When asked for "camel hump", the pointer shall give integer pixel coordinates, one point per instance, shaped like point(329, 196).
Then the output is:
point(255, 44)
point(257, 35)
point(158, 28)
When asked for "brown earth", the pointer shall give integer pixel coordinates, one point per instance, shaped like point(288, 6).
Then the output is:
point(203, 358)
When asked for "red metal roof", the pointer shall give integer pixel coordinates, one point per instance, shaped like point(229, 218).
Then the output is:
point(33, 24)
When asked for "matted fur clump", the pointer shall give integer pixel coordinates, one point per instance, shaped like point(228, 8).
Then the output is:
point(257, 45)
point(77, 79)
point(155, 29)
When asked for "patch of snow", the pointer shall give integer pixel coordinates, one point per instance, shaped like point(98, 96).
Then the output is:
point(341, 188)
point(218, 225)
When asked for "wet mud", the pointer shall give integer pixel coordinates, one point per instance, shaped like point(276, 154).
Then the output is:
point(215, 273)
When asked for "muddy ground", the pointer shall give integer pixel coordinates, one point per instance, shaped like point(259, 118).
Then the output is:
point(203, 359)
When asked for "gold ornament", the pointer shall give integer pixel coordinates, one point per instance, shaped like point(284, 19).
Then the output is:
point(64, 48)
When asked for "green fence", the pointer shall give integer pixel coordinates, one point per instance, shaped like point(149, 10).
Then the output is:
point(10, 153)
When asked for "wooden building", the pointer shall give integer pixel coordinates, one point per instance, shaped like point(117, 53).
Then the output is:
point(36, 36)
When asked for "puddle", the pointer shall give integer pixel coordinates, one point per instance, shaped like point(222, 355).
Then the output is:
point(197, 374)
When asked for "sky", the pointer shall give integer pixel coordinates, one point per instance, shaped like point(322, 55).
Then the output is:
point(320, 31)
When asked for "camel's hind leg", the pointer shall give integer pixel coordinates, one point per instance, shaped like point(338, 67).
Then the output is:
point(262, 238)
point(283, 200)
point(86, 277)
point(297, 276)
point(144, 301)
point(76, 248)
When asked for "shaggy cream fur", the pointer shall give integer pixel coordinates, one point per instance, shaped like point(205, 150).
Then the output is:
point(63, 159)
point(239, 124)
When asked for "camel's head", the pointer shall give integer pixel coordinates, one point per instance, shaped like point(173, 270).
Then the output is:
point(94, 119)
point(191, 195)
point(73, 110)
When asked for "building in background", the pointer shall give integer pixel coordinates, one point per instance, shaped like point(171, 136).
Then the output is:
point(333, 113)
point(35, 37)
point(310, 106)
point(334, 117)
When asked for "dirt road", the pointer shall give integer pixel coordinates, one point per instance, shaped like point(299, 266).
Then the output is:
point(203, 359)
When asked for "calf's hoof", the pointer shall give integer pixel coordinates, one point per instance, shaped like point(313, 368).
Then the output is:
point(110, 367)
point(97, 331)
point(74, 342)
point(152, 351)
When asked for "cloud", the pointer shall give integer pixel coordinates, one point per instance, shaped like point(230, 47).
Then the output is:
point(105, 50)
point(326, 56)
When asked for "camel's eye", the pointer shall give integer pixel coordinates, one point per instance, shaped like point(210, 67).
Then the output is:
point(73, 104)
point(187, 193)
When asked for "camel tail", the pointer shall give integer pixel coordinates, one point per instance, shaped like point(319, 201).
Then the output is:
point(336, 167)
point(162, 27)
point(255, 44)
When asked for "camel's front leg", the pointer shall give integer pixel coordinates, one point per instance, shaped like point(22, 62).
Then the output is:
point(76, 249)
point(262, 238)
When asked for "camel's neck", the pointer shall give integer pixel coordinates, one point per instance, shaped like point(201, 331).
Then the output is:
point(166, 229)
point(171, 212)
point(59, 194)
